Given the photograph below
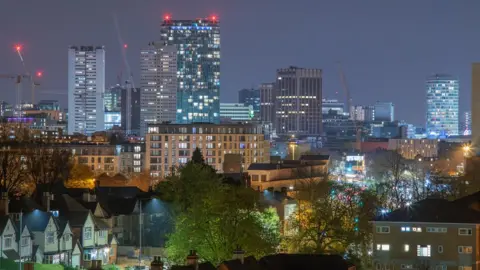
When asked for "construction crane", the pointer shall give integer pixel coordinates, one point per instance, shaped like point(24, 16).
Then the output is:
point(28, 74)
point(358, 131)
point(18, 83)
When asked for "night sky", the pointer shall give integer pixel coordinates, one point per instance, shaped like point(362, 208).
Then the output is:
point(387, 48)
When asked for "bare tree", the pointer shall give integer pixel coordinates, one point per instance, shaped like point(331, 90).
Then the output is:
point(12, 170)
point(47, 166)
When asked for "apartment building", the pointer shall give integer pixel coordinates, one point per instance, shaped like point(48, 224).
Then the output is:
point(430, 234)
point(100, 158)
point(172, 145)
point(411, 148)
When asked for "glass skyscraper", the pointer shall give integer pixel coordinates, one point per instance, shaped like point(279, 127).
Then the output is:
point(442, 105)
point(198, 67)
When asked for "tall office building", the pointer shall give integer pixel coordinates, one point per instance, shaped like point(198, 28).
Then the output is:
point(158, 85)
point(442, 105)
point(86, 88)
point(383, 111)
point(131, 113)
point(236, 112)
point(466, 124)
point(250, 97)
point(475, 106)
point(332, 106)
point(112, 102)
point(267, 102)
point(299, 101)
point(198, 67)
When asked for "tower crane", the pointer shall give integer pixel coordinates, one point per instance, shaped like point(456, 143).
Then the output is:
point(28, 75)
point(358, 131)
point(18, 83)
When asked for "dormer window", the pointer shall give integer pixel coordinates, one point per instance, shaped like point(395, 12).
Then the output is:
point(50, 237)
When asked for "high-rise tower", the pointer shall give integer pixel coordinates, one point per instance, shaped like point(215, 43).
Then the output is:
point(299, 101)
point(442, 105)
point(198, 67)
point(158, 85)
point(86, 88)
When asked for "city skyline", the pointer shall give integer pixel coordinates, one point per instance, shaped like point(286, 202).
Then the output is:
point(379, 59)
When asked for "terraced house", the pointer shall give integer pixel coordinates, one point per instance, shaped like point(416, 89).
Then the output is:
point(430, 234)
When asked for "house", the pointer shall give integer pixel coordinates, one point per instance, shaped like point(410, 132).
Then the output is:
point(8, 239)
point(101, 240)
point(25, 237)
point(45, 232)
point(429, 234)
point(65, 240)
point(76, 254)
point(112, 241)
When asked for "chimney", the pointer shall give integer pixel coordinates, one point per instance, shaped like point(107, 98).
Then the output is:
point(239, 254)
point(46, 201)
point(192, 259)
point(4, 203)
point(157, 263)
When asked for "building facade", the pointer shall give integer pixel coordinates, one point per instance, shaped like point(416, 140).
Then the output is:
point(411, 148)
point(475, 105)
point(86, 88)
point(172, 145)
point(130, 113)
point(384, 111)
point(299, 101)
point(236, 112)
point(442, 105)
point(158, 85)
point(362, 113)
point(466, 124)
point(250, 97)
point(198, 67)
point(267, 102)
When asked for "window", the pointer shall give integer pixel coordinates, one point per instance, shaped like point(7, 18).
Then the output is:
point(441, 267)
point(87, 233)
point(436, 230)
point(383, 247)
point(406, 248)
point(8, 241)
point(383, 229)
point(406, 229)
point(440, 249)
point(101, 234)
point(417, 229)
point(465, 249)
point(464, 268)
point(464, 231)
point(24, 241)
point(423, 250)
point(406, 266)
point(66, 237)
point(50, 237)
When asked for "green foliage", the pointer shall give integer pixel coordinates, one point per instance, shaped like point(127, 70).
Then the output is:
point(331, 217)
point(214, 218)
point(197, 157)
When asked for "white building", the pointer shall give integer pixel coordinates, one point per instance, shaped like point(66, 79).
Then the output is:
point(236, 112)
point(158, 84)
point(442, 105)
point(86, 88)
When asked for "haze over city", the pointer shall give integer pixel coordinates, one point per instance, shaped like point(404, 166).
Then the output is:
point(387, 48)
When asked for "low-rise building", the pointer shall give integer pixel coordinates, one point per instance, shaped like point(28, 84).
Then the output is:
point(288, 175)
point(430, 234)
point(172, 145)
point(411, 148)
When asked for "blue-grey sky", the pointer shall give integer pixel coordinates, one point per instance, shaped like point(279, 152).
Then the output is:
point(387, 48)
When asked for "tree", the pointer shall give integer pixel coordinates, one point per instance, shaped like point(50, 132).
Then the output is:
point(214, 218)
point(80, 177)
point(331, 217)
point(12, 170)
point(197, 157)
point(48, 166)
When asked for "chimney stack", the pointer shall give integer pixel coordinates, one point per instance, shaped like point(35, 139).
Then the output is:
point(192, 259)
point(239, 254)
point(46, 201)
point(157, 263)
point(5, 202)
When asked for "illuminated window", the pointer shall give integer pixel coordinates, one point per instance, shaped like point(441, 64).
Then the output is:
point(423, 250)
point(406, 248)
point(383, 247)
point(464, 231)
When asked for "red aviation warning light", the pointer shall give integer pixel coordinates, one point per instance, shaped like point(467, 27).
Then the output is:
point(214, 18)
point(18, 47)
point(167, 17)
point(125, 46)
point(39, 74)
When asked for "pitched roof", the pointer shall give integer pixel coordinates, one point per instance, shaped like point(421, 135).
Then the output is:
point(122, 192)
point(271, 166)
point(434, 210)
point(115, 206)
point(62, 223)
point(315, 157)
point(23, 204)
point(3, 222)
point(201, 266)
point(37, 221)
point(65, 204)
point(100, 224)
point(303, 261)
point(77, 219)
point(249, 263)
